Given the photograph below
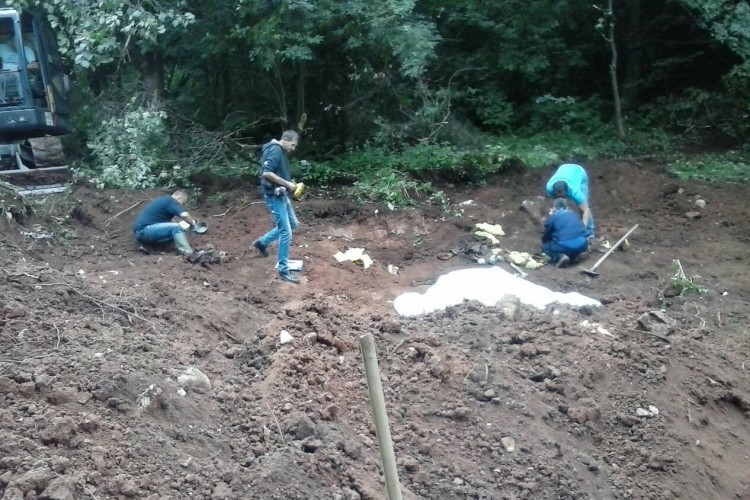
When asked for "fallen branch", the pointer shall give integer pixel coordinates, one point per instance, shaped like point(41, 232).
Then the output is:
point(516, 370)
point(131, 207)
point(245, 206)
point(393, 351)
point(98, 302)
point(21, 361)
point(278, 426)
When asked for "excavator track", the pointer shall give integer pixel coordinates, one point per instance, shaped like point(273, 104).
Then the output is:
point(34, 167)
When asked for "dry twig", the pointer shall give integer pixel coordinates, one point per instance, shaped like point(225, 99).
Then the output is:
point(516, 370)
point(472, 369)
point(20, 361)
point(131, 207)
point(697, 315)
point(100, 303)
point(398, 346)
point(57, 346)
point(278, 426)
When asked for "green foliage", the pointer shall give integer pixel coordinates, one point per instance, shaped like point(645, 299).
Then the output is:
point(430, 162)
point(401, 86)
point(565, 114)
point(732, 166)
point(683, 283)
point(697, 113)
point(729, 23)
point(97, 33)
point(129, 151)
point(389, 187)
point(492, 108)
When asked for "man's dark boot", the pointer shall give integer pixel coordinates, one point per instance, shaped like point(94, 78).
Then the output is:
point(261, 248)
point(289, 277)
point(563, 261)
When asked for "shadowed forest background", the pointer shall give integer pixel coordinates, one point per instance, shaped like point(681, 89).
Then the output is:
point(399, 94)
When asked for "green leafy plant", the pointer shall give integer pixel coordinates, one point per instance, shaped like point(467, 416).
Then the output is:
point(129, 151)
point(684, 284)
point(389, 187)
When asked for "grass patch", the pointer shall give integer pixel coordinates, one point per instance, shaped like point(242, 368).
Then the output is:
point(732, 166)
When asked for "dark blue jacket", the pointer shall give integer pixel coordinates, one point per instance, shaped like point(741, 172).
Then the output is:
point(562, 226)
point(162, 209)
point(274, 160)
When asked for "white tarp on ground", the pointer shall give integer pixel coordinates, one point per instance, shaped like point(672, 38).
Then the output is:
point(487, 285)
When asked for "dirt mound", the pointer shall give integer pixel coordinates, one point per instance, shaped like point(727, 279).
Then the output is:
point(128, 375)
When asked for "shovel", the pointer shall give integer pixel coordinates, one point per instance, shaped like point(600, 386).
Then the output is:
point(592, 272)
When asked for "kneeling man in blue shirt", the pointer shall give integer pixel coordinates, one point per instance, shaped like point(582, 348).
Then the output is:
point(154, 225)
point(564, 237)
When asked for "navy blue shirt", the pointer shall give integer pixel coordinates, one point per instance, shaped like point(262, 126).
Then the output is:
point(563, 225)
point(274, 160)
point(162, 209)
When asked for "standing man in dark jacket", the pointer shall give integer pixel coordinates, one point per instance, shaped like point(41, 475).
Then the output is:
point(564, 237)
point(276, 182)
point(154, 225)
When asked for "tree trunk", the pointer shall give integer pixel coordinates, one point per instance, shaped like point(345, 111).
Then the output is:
point(301, 92)
point(633, 57)
point(226, 98)
point(153, 77)
point(281, 98)
point(613, 72)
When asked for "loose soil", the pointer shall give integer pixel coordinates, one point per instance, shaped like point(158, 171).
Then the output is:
point(96, 340)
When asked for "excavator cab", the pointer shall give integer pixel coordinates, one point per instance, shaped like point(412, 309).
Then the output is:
point(34, 109)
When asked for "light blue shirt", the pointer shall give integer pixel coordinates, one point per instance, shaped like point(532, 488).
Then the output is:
point(577, 180)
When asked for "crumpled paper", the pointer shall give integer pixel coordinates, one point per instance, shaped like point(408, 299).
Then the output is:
point(489, 236)
point(524, 259)
point(494, 229)
point(489, 231)
point(354, 255)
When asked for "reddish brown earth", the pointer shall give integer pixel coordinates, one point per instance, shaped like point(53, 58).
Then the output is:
point(94, 335)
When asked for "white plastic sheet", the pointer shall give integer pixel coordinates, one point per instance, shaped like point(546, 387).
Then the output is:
point(488, 285)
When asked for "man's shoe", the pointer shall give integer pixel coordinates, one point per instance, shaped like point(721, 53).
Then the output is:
point(261, 248)
point(563, 261)
point(288, 276)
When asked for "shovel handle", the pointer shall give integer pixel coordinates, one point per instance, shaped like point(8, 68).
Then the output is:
point(614, 247)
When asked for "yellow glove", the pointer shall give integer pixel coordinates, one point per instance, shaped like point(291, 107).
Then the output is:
point(300, 189)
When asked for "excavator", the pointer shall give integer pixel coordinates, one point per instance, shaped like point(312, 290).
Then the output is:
point(34, 108)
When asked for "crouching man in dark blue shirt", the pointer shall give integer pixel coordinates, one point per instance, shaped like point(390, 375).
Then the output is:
point(154, 225)
point(564, 237)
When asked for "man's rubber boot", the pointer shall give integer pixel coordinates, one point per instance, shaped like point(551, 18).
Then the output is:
point(182, 244)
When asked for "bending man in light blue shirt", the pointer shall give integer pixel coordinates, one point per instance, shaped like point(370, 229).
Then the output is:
point(571, 181)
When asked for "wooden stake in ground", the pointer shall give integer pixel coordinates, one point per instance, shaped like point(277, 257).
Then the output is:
point(377, 400)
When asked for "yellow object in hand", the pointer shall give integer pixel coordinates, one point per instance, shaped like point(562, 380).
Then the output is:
point(299, 190)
